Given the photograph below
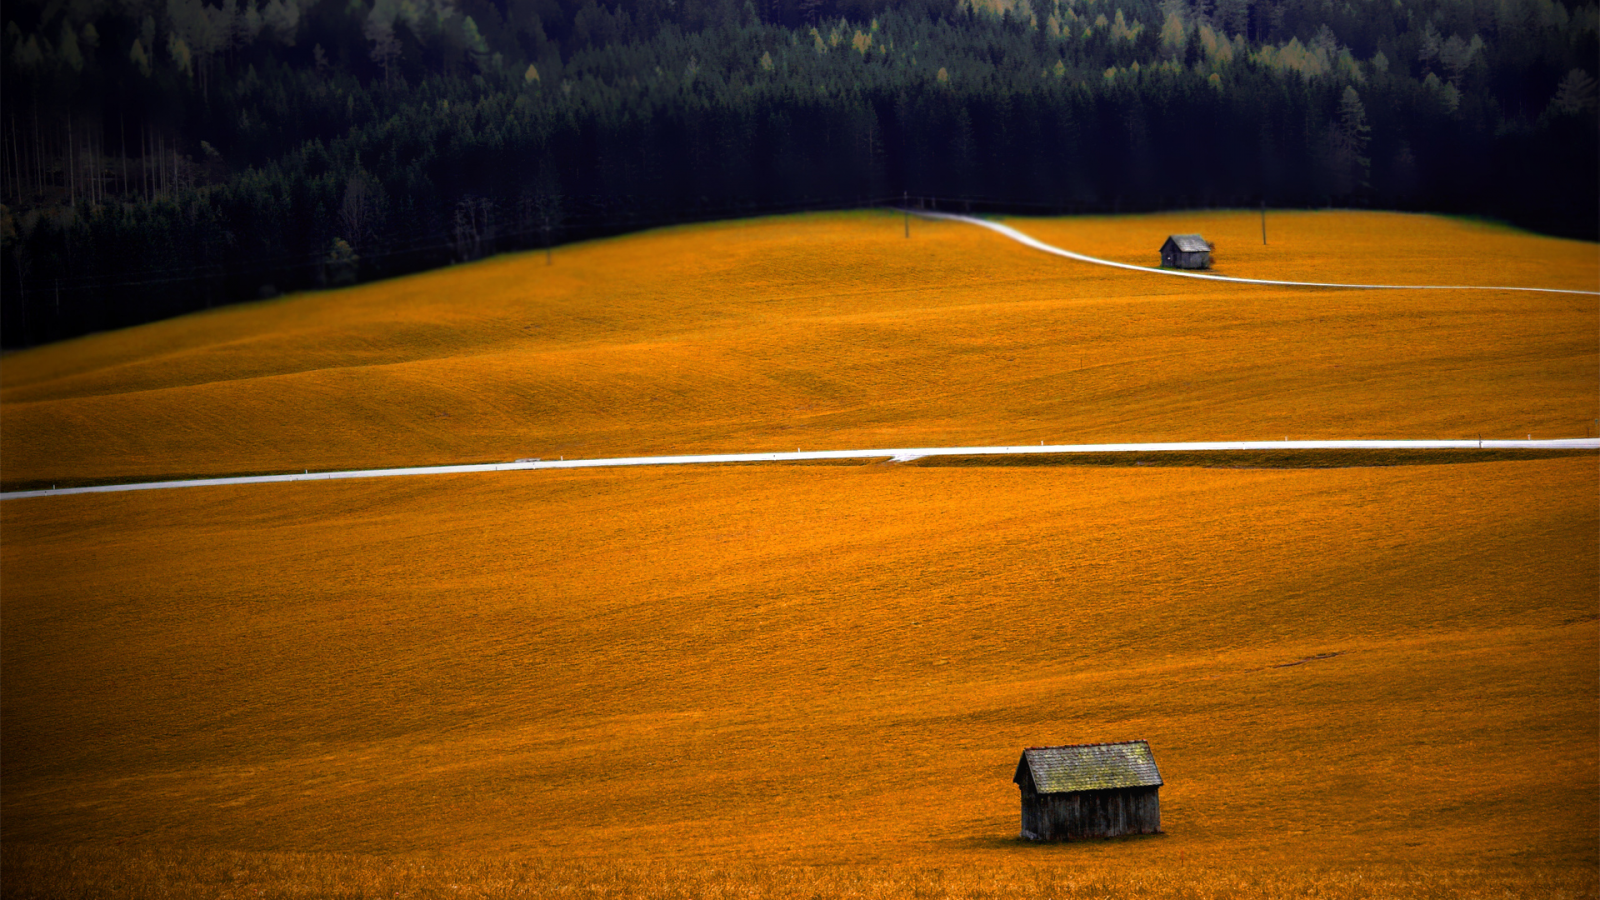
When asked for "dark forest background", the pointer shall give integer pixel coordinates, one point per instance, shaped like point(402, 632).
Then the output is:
point(161, 156)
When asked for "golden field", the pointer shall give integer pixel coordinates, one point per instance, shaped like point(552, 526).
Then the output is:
point(833, 331)
point(814, 680)
point(740, 668)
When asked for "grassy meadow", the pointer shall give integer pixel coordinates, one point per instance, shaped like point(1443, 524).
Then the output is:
point(834, 331)
point(814, 680)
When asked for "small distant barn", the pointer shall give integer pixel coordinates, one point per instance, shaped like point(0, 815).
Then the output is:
point(1088, 791)
point(1186, 251)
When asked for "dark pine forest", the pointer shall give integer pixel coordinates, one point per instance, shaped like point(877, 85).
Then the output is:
point(162, 156)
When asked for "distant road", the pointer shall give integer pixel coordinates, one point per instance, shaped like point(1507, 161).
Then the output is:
point(1037, 244)
point(902, 455)
point(915, 453)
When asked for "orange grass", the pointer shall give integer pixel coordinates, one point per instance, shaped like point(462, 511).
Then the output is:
point(1344, 247)
point(813, 680)
point(690, 682)
point(91, 873)
point(833, 331)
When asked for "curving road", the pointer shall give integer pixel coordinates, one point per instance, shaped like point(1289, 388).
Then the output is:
point(907, 454)
point(902, 455)
point(1037, 244)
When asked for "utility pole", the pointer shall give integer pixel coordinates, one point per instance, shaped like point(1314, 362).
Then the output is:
point(1263, 221)
point(905, 207)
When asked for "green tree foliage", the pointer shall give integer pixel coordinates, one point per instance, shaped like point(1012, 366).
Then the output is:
point(1351, 166)
point(158, 156)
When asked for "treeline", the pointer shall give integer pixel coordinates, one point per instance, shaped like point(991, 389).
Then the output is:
point(160, 156)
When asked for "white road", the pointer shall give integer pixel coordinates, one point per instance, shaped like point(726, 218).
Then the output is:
point(907, 454)
point(1037, 244)
point(901, 455)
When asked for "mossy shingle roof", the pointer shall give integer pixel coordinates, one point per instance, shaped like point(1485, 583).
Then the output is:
point(1090, 767)
point(1190, 243)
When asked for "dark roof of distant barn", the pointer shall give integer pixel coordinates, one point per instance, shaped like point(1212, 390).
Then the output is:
point(1090, 767)
point(1190, 243)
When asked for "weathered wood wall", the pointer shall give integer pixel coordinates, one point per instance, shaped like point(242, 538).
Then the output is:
point(1173, 258)
point(1090, 814)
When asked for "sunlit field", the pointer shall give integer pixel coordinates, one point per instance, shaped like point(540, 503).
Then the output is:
point(828, 666)
point(832, 332)
point(1362, 677)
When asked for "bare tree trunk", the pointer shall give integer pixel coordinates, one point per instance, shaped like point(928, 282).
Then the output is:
point(72, 170)
point(16, 151)
point(80, 167)
point(38, 162)
point(5, 163)
point(17, 194)
point(16, 159)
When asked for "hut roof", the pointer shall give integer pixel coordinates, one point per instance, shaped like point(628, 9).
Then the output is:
point(1090, 767)
point(1190, 243)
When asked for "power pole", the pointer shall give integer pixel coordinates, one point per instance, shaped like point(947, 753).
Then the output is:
point(1263, 221)
point(905, 207)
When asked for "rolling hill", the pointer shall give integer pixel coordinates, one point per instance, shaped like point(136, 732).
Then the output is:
point(813, 679)
point(835, 332)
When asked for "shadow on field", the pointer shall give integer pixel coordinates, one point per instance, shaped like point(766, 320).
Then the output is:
point(1249, 459)
point(1014, 843)
point(1210, 459)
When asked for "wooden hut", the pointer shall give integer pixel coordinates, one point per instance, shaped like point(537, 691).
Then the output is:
point(1089, 790)
point(1186, 251)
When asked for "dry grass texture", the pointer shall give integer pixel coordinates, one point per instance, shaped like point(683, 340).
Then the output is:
point(807, 681)
point(833, 331)
point(140, 874)
point(795, 681)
